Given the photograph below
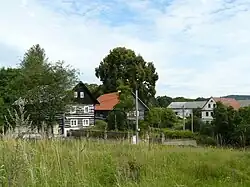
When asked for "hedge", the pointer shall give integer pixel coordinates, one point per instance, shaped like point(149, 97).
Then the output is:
point(99, 134)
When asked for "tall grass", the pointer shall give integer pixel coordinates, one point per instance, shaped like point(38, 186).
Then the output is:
point(80, 163)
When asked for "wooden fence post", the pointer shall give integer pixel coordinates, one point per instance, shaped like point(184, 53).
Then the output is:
point(162, 138)
point(105, 135)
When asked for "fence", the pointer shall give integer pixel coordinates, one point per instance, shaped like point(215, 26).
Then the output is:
point(127, 136)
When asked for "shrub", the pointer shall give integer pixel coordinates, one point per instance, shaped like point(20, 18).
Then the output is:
point(100, 125)
point(117, 135)
point(205, 140)
point(176, 134)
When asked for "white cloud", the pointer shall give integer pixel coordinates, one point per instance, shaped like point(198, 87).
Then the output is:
point(199, 47)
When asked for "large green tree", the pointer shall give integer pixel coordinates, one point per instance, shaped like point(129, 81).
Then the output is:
point(117, 118)
point(8, 90)
point(123, 65)
point(95, 89)
point(44, 86)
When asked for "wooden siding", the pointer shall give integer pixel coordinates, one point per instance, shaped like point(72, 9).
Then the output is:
point(88, 97)
point(80, 114)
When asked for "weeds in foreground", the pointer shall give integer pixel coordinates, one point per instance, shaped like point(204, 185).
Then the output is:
point(80, 163)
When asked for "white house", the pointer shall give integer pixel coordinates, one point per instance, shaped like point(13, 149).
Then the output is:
point(185, 109)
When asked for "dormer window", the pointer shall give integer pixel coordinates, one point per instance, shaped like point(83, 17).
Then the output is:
point(75, 94)
point(81, 94)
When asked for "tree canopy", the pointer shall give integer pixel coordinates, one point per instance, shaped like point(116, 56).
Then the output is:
point(123, 65)
point(44, 86)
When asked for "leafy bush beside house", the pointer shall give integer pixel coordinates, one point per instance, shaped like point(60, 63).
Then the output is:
point(161, 118)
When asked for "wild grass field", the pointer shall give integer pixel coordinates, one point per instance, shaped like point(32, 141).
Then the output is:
point(80, 163)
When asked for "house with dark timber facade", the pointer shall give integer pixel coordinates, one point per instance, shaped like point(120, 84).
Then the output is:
point(81, 113)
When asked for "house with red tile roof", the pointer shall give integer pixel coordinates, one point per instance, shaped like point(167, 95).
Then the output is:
point(107, 103)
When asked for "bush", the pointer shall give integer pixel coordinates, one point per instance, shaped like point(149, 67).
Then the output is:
point(205, 140)
point(100, 125)
point(178, 134)
point(117, 135)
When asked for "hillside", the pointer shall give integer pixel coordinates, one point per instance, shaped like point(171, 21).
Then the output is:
point(238, 97)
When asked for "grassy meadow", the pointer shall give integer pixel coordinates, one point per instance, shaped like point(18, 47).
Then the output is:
point(80, 163)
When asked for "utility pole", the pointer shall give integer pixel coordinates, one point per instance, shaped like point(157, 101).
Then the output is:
point(137, 122)
point(183, 115)
point(192, 121)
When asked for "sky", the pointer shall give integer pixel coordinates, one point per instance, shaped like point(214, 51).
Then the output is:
point(200, 48)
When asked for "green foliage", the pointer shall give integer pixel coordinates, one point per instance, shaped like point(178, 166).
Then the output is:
point(47, 163)
point(161, 117)
point(205, 140)
point(162, 101)
point(45, 86)
point(100, 125)
point(117, 120)
point(123, 65)
point(179, 134)
point(8, 90)
point(95, 89)
point(126, 99)
point(223, 122)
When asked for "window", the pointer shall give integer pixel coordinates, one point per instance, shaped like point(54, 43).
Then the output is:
point(86, 109)
point(138, 113)
point(214, 105)
point(75, 94)
point(212, 113)
point(207, 114)
point(209, 106)
point(85, 122)
point(81, 94)
point(73, 110)
point(73, 122)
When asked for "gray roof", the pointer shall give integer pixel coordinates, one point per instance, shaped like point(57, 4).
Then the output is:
point(244, 103)
point(195, 104)
point(188, 105)
point(176, 105)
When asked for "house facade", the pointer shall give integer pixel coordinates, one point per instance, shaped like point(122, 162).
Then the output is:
point(107, 103)
point(81, 113)
point(185, 109)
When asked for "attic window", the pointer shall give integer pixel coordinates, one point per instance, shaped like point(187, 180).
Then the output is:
point(81, 94)
point(75, 94)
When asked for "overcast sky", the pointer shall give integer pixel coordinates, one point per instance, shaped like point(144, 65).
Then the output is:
point(199, 47)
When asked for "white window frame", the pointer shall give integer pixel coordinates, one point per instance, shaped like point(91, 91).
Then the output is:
point(138, 113)
point(75, 94)
point(72, 124)
point(86, 107)
point(72, 110)
point(84, 122)
point(81, 94)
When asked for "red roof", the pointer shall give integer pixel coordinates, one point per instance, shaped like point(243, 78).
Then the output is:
point(228, 102)
point(107, 101)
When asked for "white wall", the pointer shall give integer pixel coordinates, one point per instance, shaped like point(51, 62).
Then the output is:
point(207, 110)
point(187, 112)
